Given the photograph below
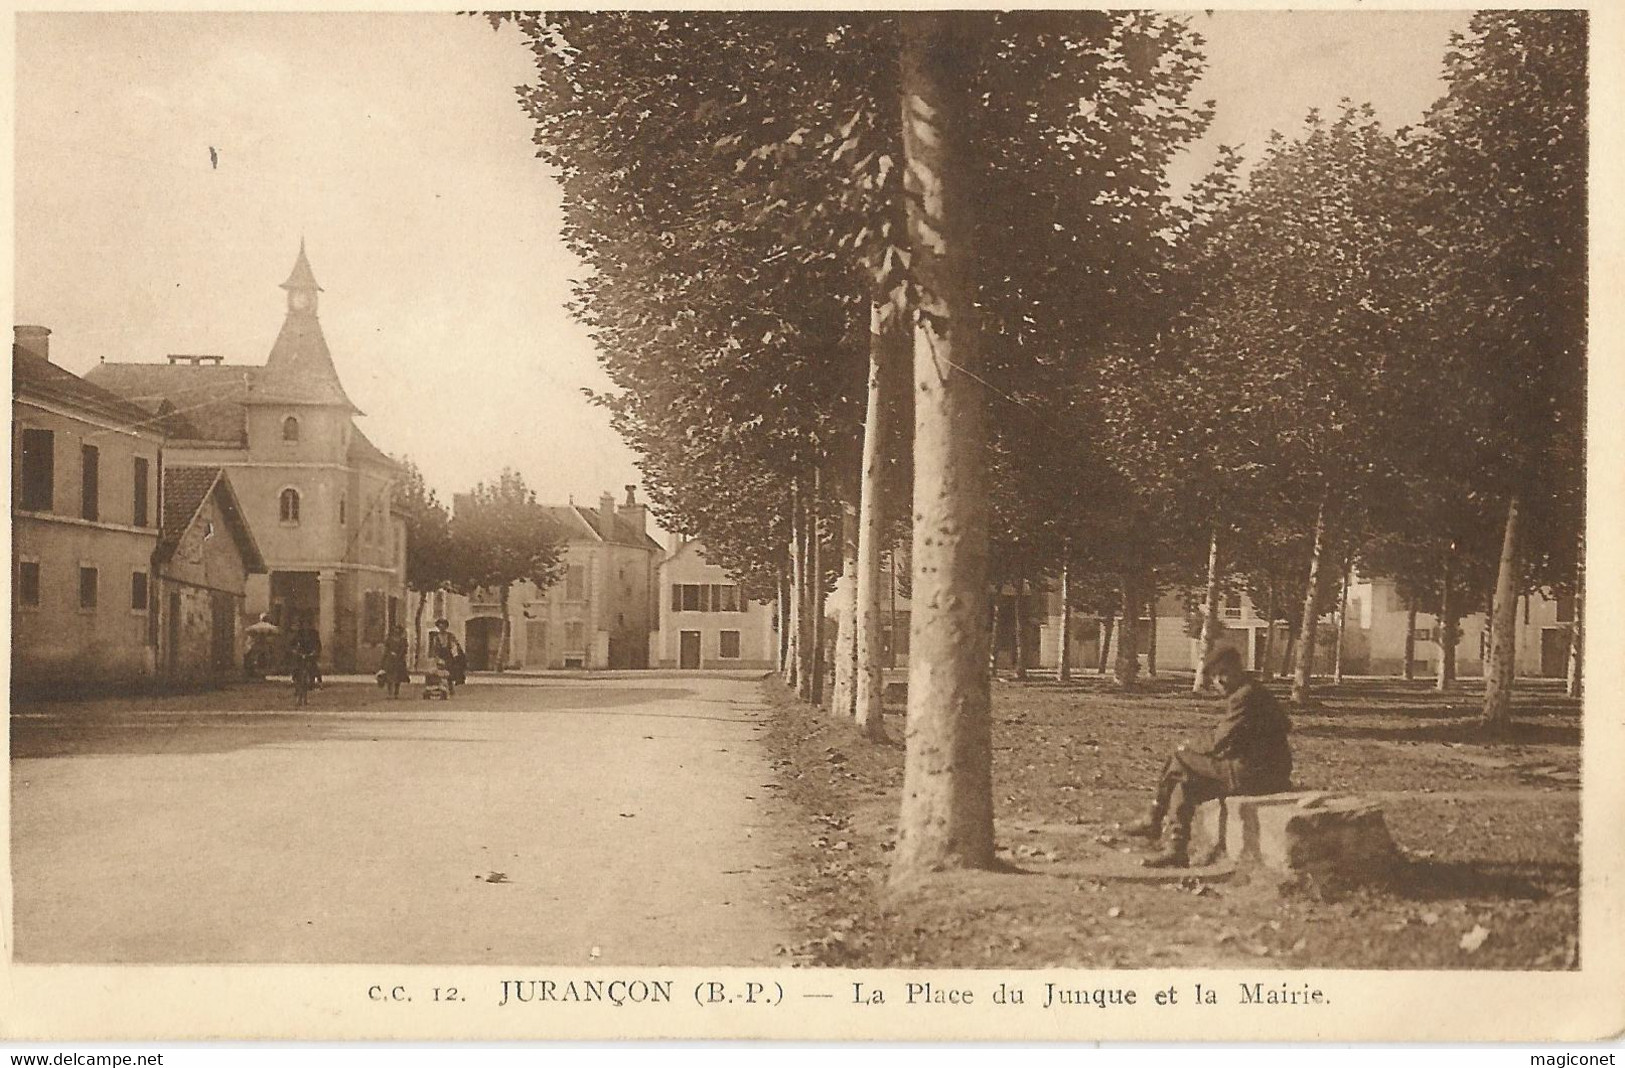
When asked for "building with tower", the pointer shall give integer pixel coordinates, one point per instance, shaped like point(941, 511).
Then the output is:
point(315, 492)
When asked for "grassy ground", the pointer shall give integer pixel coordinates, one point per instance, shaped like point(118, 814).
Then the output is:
point(1490, 833)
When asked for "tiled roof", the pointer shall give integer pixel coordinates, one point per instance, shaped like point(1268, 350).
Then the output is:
point(202, 403)
point(185, 490)
point(618, 532)
point(34, 376)
point(300, 368)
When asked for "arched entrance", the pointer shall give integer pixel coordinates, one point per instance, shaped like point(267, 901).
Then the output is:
point(483, 642)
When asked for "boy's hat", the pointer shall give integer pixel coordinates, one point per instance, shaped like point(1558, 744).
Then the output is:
point(1225, 656)
point(441, 620)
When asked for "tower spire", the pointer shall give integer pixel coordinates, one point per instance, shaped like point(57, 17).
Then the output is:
point(301, 284)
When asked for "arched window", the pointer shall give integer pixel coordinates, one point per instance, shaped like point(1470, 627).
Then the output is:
point(290, 505)
point(290, 429)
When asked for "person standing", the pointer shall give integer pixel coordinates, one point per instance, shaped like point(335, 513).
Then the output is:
point(395, 671)
point(443, 646)
point(1249, 755)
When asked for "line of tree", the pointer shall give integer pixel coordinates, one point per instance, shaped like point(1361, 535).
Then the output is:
point(866, 280)
point(499, 535)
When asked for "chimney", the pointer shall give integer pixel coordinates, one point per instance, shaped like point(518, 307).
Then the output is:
point(35, 340)
point(635, 513)
point(606, 509)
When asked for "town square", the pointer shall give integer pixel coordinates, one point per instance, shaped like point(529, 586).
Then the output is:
point(813, 490)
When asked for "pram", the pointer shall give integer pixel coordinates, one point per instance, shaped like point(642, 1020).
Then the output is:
point(437, 682)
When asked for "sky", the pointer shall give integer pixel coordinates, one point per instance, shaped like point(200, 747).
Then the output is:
point(393, 146)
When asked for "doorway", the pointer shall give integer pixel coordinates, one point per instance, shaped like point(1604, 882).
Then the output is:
point(688, 653)
point(483, 642)
point(1554, 652)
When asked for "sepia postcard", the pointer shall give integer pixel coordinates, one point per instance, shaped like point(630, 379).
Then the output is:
point(1076, 524)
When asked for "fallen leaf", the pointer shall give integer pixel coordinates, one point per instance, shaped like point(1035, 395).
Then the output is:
point(1114, 912)
point(1430, 918)
point(1474, 938)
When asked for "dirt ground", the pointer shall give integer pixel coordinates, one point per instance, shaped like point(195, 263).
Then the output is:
point(1490, 833)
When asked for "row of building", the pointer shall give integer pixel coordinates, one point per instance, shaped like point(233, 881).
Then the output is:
point(159, 509)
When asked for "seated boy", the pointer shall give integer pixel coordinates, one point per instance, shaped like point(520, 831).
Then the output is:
point(1249, 755)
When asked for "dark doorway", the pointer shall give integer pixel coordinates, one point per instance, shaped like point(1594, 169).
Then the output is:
point(482, 642)
point(223, 633)
point(295, 599)
point(1554, 652)
point(688, 654)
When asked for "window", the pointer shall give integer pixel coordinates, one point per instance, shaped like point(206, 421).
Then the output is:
point(691, 599)
point(1565, 608)
point(140, 511)
point(39, 470)
point(727, 599)
point(575, 635)
point(290, 429)
point(372, 617)
point(1232, 605)
point(138, 591)
point(87, 587)
point(28, 584)
point(1423, 634)
point(728, 644)
point(90, 489)
point(290, 506)
point(575, 583)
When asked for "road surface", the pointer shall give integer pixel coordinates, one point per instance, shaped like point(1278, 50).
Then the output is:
point(615, 821)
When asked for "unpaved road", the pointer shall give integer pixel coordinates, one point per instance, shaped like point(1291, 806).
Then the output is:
point(621, 820)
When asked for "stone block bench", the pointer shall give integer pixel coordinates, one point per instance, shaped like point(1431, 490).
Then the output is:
point(1329, 836)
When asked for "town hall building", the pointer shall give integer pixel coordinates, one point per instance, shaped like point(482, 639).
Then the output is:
point(315, 492)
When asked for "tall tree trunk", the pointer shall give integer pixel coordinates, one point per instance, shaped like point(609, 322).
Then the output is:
point(1063, 659)
point(1576, 666)
point(1210, 613)
point(1266, 664)
point(1409, 671)
point(1289, 653)
point(783, 620)
point(844, 702)
point(507, 627)
point(1308, 624)
point(417, 628)
point(1446, 632)
point(1105, 643)
point(1126, 669)
point(995, 610)
point(815, 571)
point(886, 358)
point(1151, 638)
point(804, 611)
point(1019, 619)
point(1499, 672)
point(947, 812)
point(1342, 623)
point(891, 577)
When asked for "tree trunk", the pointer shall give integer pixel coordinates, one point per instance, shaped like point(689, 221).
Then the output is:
point(844, 703)
point(1289, 653)
point(507, 627)
point(947, 812)
point(1105, 643)
point(891, 577)
point(1019, 618)
point(1151, 638)
point(1446, 635)
point(885, 339)
point(1126, 669)
point(1307, 626)
point(1409, 671)
point(1266, 664)
point(417, 628)
point(1342, 624)
point(804, 629)
point(995, 610)
point(1063, 659)
point(783, 620)
point(1210, 613)
point(815, 573)
point(1576, 666)
point(1499, 672)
